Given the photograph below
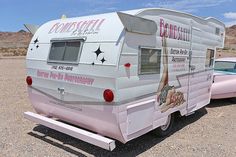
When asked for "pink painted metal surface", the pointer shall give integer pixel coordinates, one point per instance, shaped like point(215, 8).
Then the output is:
point(224, 78)
point(97, 118)
point(113, 121)
point(223, 86)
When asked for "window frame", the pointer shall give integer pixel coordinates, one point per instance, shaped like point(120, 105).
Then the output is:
point(139, 60)
point(212, 59)
point(217, 31)
point(81, 40)
point(224, 62)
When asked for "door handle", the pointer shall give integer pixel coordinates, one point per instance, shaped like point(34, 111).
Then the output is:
point(192, 67)
point(61, 90)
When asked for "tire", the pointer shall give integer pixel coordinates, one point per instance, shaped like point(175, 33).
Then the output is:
point(165, 130)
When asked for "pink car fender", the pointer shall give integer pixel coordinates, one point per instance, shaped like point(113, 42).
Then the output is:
point(223, 85)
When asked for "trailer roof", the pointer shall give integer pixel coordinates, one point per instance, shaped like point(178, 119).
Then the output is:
point(102, 27)
point(138, 12)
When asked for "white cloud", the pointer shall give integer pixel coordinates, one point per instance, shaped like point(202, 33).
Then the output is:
point(230, 15)
point(151, 4)
point(186, 5)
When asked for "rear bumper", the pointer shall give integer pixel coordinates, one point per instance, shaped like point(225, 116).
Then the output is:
point(81, 134)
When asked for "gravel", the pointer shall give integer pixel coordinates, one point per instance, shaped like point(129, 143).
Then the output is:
point(209, 132)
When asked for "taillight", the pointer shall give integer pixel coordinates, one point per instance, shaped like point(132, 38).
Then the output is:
point(127, 65)
point(29, 80)
point(108, 95)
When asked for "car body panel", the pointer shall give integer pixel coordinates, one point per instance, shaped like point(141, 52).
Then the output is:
point(224, 82)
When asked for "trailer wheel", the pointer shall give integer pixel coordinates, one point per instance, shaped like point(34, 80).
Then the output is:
point(166, 129)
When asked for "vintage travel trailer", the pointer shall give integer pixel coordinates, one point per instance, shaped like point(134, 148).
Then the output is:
point(120, 75)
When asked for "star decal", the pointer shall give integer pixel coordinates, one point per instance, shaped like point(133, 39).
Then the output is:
point(37, 46)
point(98, 51)
point(93, 63)
point(31, 49)
point(103, 60)
point(36, 41)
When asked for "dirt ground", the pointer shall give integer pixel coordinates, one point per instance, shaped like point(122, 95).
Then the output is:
point(209, 132)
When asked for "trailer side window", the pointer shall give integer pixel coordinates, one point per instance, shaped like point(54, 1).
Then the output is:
point(65, 51)
point(150, 60)
point(209, 58)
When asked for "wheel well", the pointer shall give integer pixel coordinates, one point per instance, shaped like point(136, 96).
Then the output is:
point(177, 114)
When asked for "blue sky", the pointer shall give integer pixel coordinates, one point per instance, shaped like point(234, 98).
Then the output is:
point(14, 13)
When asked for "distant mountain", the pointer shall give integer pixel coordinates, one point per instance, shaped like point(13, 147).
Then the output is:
point(21, 31)
point(14, 39)
point(14, 43)
point(230, 40)
point(231, 31)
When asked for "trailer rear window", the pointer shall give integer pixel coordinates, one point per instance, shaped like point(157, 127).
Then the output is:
point(150, 60)
point(65, 51)
point(209, 58)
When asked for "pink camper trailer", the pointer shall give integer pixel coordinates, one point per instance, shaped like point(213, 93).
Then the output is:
point(117, 76)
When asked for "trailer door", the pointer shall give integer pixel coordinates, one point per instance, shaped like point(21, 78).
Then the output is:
point(200, 72)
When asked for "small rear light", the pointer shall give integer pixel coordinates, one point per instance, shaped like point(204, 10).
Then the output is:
point(108, 95)
point(127, 65)
point(29, 80)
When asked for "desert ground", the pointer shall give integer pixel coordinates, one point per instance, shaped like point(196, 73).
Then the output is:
point(209, 132)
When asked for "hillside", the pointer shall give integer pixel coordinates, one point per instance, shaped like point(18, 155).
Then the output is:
point(14, 43)
point(231, 31)
point(230, 41)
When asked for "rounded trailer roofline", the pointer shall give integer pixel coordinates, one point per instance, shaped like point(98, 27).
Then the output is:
point(139, 11)
point(136, 12)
